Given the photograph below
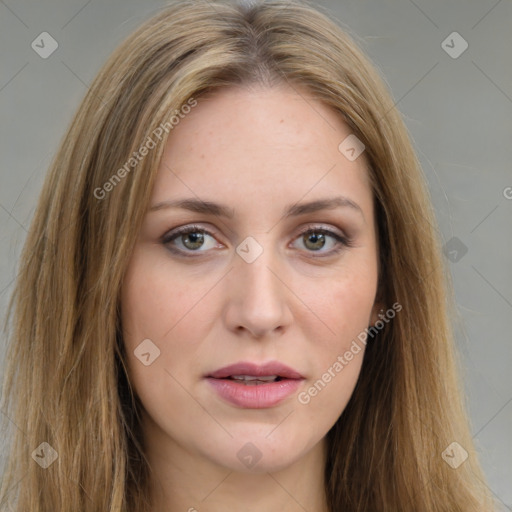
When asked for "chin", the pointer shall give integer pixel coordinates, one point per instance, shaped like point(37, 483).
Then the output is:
point(261, 453)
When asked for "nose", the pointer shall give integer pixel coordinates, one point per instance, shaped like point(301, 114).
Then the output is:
point(258, 298)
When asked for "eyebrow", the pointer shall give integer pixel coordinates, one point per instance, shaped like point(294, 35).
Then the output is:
point(292, 210)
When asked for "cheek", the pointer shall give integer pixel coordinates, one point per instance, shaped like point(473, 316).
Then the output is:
point(340, 307)
point(343, 312)
point(170, 309)
point(157, 300)
point(352, 302)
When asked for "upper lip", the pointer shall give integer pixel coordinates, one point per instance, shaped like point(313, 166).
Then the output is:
point(256, 370)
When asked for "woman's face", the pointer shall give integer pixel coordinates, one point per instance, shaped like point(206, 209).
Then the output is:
point(261, 278)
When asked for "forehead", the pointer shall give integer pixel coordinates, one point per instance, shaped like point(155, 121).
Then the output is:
point(275, 144)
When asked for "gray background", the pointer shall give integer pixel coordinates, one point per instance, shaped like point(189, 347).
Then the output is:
point(458, 111)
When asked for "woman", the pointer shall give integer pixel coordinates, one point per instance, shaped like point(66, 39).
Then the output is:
point(231, 294)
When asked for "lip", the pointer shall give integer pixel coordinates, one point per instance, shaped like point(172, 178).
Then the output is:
point(258, 370)
point(258, 396)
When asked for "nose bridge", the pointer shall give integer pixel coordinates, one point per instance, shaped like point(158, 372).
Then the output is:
point(258, 280)
point(257, 298)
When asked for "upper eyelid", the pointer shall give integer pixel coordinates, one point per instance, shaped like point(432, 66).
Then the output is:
point(210, 231)
point(188, 227)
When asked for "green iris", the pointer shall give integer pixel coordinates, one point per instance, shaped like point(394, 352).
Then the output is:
point(317, 240)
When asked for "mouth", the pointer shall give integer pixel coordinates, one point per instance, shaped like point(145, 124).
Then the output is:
point(253, 386)
point(251, 380)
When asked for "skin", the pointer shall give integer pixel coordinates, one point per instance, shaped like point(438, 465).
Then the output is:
point(255, 150)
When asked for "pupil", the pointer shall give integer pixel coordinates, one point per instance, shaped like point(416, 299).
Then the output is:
point(193, 240)
point(317, 241)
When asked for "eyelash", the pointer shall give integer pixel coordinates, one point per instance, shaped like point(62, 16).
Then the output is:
point(342, 241)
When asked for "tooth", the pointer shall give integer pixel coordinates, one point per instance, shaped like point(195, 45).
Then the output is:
point(266, 378)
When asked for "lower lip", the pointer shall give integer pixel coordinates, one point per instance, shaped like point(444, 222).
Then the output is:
point(259, 396)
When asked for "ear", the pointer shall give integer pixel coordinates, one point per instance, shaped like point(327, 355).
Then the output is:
point(378, 307)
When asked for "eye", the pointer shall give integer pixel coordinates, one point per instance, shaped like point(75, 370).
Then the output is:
point(189, 239)
point(323, 241)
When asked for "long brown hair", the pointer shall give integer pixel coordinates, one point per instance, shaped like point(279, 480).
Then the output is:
point(65, 380)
